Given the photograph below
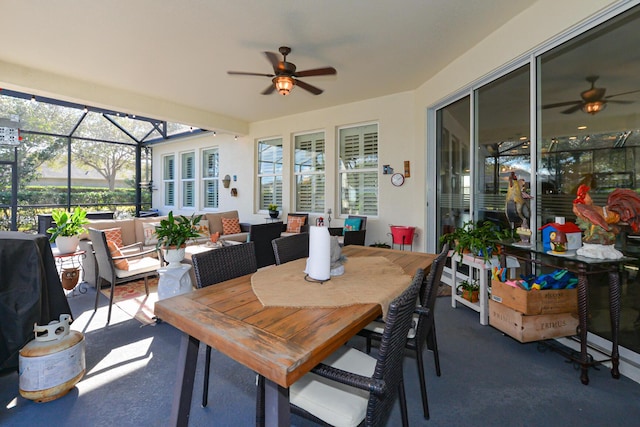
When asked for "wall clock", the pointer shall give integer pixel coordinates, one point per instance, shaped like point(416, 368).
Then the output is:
point(397, 179)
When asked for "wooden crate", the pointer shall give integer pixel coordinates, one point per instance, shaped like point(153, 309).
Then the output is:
point(536, 301)
point(531, 328)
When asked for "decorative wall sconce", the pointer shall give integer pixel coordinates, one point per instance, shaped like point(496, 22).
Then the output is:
point(226, 181)
point(234, 192)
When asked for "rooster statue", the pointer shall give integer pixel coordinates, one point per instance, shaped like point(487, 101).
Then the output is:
point(601, 224)
point(517, 202)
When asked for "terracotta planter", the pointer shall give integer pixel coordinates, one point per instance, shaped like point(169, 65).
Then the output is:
point(471, 296)
point(70, 277)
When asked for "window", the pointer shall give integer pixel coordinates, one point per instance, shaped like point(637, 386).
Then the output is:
point(188, 179)
point(309, 170)
point(168, 180)
point(210, 176)
point(270, 172)
point(359, 170)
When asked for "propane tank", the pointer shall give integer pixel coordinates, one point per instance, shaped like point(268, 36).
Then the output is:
point(53, 363)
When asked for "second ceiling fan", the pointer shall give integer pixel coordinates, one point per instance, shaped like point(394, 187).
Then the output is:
point(593, 99)
point(285, 76)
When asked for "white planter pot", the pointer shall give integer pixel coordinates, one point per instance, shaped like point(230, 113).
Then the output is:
point(174, 257)
point(67, 244)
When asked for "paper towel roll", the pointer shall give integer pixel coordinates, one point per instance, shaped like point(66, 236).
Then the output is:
point(319, 262)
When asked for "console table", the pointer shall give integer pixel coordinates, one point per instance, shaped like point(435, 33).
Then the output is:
point(478, 270)
point(582, 267)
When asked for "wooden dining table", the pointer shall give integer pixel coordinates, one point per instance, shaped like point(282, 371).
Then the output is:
point(280, 343)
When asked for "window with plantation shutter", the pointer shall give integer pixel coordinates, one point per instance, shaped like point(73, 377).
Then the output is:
point(359, 170)
point(269, 173)
point(309, 171)
point(168, 179)
point(187, 179)
point(210, 177)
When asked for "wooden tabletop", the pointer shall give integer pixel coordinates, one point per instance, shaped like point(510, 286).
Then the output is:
point(280, 343)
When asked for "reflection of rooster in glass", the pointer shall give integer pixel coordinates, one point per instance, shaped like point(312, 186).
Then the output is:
point(600, 223)
point(517, 203)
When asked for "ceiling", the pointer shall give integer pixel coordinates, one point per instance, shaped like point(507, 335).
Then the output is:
point(178, 52)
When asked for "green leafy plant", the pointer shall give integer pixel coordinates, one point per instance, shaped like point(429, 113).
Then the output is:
point(469, 286)
point(175, 231)
point(479, 238)
point(273, 207)
point(68, 224)
point(380, 245)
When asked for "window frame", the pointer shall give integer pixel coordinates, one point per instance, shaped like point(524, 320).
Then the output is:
point(214, 178)
point(345, 207)
point(316, 138)
point(170, 181)
point(186, 181)
point(276, 173)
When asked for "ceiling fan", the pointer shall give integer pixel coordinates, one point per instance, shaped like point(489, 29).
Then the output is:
point(285, 75)
point(593, 99)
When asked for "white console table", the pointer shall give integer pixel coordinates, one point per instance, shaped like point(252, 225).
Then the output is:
point(478, 270)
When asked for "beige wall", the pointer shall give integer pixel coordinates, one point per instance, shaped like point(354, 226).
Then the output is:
point(402, 122)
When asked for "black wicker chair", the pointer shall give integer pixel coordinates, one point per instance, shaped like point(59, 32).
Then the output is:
point(351, 237)
point(381, 377)
point(219, 265)
point(262, 235)
point(290, 248)
point(425, 327)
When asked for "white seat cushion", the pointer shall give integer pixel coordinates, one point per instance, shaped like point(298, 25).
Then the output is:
point(139, 265)
point(378, 327)
point(337, 404)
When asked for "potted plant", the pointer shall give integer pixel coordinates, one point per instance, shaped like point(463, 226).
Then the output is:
point(477, 238)
point(173, 234)
point(380, 245)
point(69, 225)
point(469, 290)
point(273, 210)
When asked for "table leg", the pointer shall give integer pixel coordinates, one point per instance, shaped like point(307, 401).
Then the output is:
point(583, 301)
point(187, 359)
point(484, 297)
point(614, 312)
point(454, 284)
point(276, 400)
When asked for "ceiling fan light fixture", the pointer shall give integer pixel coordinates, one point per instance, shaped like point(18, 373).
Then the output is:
point(594, 107)
point(283, 84)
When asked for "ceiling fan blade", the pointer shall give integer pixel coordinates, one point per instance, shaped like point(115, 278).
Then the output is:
point(325, 71)
point(620, 101)
point(622, 93)
point(273, 59)
point(269, 90)
point(573, 109)
point(314, 90)
point(561, 104)
point(244, 73)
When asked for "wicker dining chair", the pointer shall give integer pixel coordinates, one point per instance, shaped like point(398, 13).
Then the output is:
point(219, 265)
point(333, 392)
point(425, 326)
point(290, 248)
